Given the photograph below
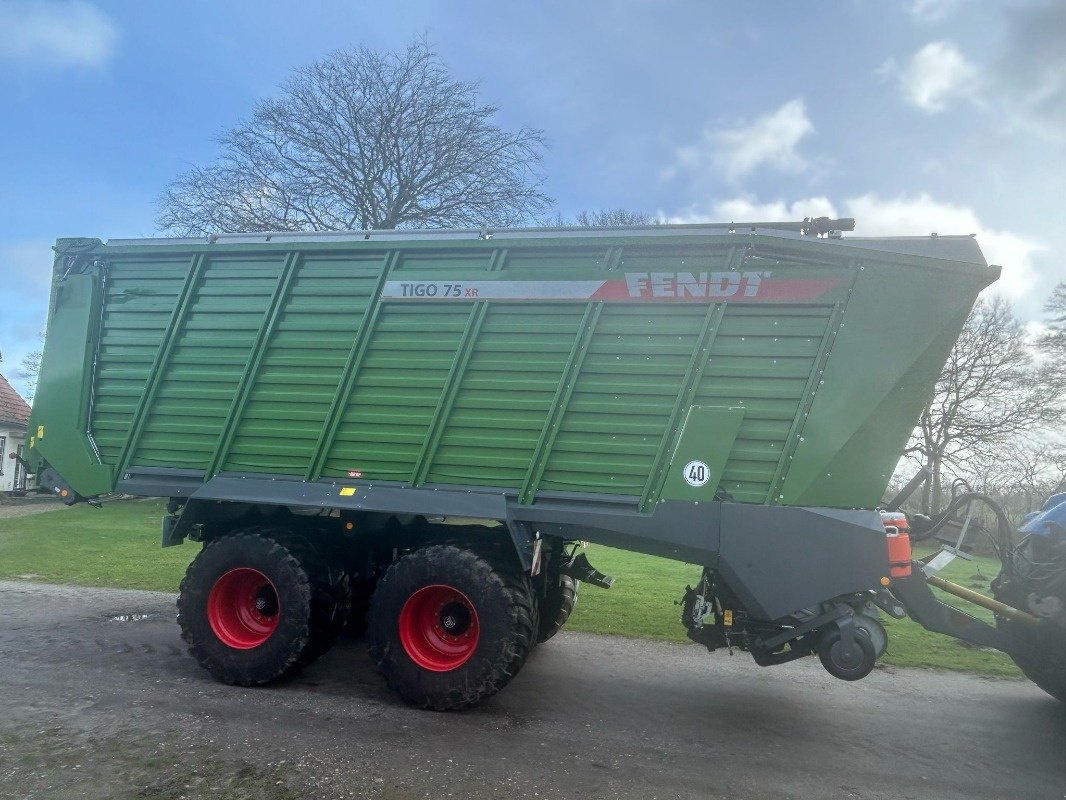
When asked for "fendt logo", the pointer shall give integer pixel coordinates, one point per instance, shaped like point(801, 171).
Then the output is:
point(680, 285)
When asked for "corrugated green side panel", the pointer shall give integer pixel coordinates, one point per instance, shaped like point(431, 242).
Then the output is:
point(761, 361)
point(396, 392)
point(622, 398)
point(141, 295)
point(505, 395)
point(303, 364)
point(287, 359)
point(210, 354)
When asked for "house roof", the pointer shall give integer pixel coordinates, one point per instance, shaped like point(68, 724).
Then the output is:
point(12, 407)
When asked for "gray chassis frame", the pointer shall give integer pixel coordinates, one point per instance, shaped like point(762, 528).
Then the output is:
point(777, 559)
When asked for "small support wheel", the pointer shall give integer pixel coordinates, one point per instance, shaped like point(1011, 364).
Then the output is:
point(847, 667)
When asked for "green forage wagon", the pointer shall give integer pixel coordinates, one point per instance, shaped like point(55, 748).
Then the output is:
point(413, 431)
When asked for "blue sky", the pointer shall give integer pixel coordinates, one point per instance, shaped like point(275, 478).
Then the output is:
point(914, 116)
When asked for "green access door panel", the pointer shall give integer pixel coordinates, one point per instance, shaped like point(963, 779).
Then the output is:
point(703, 447)
point(597, 362)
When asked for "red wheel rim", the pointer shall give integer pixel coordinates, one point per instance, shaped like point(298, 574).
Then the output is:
point(439, 628)
point(243, 608)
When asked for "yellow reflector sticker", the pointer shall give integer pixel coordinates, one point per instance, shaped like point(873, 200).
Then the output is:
point(727, 617)
point(40, 431)
point(347, 491)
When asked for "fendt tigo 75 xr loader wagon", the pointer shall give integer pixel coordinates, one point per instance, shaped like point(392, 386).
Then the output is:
point(415, 430)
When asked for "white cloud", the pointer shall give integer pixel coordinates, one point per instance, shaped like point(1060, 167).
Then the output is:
point(936, 75)
point(1022, 88)
point(748, 209)
point(931, 10)
point(770, 140)
point(919, 215)
point(913, 215)
point(58, 33)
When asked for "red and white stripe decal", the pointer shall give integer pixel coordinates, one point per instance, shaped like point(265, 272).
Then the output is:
point(698, 287)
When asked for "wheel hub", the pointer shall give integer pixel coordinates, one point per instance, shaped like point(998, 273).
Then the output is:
point(439, 628)
point(455, 618)
point(243, 608)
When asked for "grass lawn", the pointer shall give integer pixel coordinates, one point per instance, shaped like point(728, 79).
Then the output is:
point(119, 546)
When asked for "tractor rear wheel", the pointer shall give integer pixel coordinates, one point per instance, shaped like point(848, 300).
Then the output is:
point(1042, 658)
point(1042, 666)
point(1048, 674)
point(447, 627)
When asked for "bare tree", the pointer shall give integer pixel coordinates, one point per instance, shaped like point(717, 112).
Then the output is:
point(1023, 474)
point(364, 139)
point(29, 369)
point(1054, 341)
point(611, 218)
point(990, 395)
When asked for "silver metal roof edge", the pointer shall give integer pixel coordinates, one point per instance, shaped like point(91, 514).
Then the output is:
point(789, 230)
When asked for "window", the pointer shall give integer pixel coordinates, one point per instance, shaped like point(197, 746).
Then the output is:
point(3, 446)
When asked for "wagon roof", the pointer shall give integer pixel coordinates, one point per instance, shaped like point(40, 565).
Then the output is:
point(961, 249)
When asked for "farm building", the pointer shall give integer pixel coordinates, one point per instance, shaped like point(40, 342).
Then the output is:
point(14, 416)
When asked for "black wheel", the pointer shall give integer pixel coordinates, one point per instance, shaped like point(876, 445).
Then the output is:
point(1043, 659)
point(556, 606)
point(331, 596)
point(448, 627)
point(1047, 673)
point(1045, 669)
point(254, 609)
point(831, 654)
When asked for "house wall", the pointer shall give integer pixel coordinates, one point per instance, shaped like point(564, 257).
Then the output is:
point(11, 438)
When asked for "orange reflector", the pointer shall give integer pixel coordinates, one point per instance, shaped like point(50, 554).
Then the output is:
point(349, 525)
point(885, 581)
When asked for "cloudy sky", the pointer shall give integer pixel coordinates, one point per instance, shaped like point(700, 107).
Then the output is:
point(912, 116)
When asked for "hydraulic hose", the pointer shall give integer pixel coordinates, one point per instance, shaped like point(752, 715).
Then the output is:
point(1004, 547)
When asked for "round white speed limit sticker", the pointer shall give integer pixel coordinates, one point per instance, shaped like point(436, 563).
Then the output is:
point(697, 473)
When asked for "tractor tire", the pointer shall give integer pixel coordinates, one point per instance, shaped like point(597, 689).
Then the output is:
point(1042, 665)
point(448, 627)
point(259, 605)
point(556, 606)
point(1048, 674)
point(1046, 671)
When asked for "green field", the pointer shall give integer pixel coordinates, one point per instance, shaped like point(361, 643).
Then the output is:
point(119, 546)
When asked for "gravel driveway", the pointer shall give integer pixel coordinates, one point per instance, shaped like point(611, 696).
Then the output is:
point(99, 700)
point(13, 507)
